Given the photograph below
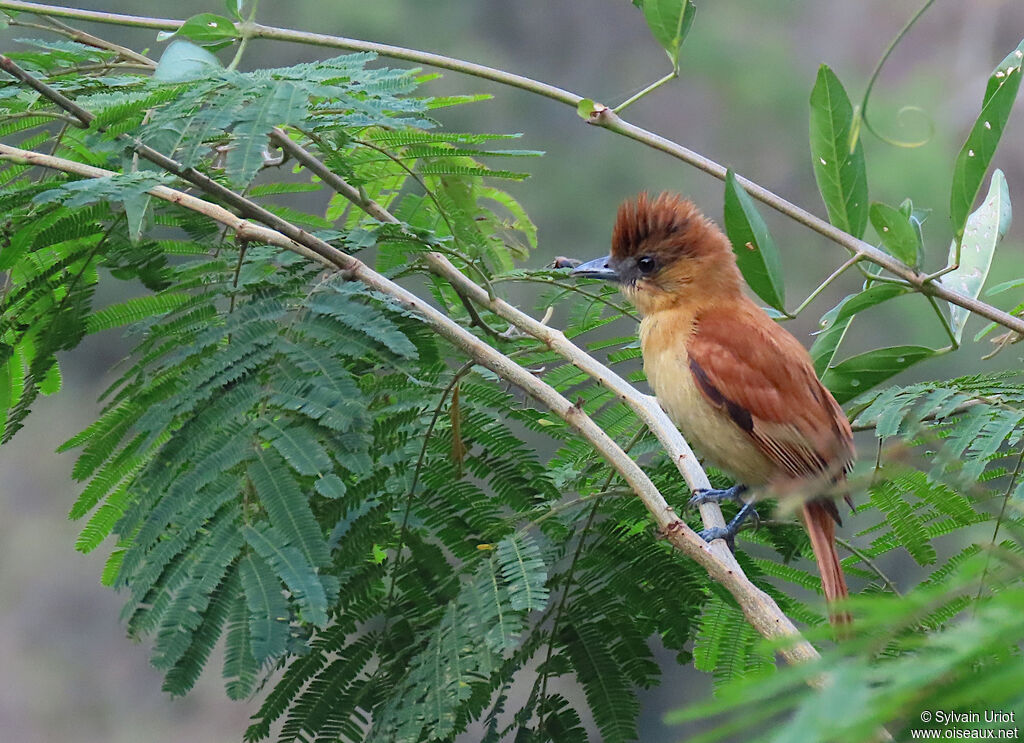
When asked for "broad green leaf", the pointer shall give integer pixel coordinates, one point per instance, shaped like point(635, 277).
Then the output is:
point(756, 254)
point(670, 22)
point(976, 154)
point(984, 229)
point(840, 173)
point(896, 232)
point(235, 7)
point(835, 322)
point(183, 61)
point(205, 29)
point(860, 373)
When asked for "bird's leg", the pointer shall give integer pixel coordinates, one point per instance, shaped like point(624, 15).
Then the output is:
point(700, 497)
point(729, 531)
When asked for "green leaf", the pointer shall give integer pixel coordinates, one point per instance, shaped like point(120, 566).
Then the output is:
point(984, 229)
point(184, 61)
point(134, 309)
point(897, 234)
point(860, 373)
point(235, 7)
point(524, 572)
point(286, 105)
point(291, 566)
point(206, 28)
point(756, 254)
point(836, 321)
point(976, 154)
point(670, 22)
point(839, 171)
point(287, 506)
point(586, 108)
point(268, 609)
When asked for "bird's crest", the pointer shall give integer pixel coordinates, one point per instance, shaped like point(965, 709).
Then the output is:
point(667, 225)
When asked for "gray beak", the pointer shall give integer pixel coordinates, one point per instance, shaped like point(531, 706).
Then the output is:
point(599, 268)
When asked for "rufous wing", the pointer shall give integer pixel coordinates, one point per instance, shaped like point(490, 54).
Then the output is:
point(760, 375)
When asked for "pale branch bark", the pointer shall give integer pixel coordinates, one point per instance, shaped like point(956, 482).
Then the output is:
point(603, 117)
point(760, 609)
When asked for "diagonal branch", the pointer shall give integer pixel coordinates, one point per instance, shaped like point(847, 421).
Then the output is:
point(760, 609)
point(644, 406)
point(601, 116)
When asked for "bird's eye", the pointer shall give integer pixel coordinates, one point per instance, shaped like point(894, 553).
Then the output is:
point(645, 264)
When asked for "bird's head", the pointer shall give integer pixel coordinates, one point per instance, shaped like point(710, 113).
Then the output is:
point(665, 251)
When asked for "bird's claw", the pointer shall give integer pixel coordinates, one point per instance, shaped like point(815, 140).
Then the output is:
point(730, 530)
point(711, 495)
point(719, 532)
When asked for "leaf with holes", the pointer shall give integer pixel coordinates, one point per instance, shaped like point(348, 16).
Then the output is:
point(207, 29)
point(756, 254)
point(835, 322)
point(984, 229)
point(860, 373)
point(976, 154)
point(840, 172)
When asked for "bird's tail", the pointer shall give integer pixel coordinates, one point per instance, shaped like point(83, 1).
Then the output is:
point(820, 517)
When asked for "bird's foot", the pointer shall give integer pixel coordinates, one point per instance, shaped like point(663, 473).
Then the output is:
point(730, 530)
point(700, 497)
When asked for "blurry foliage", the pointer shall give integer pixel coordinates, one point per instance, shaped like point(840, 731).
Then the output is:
point(294, 467)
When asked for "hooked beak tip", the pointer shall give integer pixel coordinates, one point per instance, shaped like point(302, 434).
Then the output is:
point(599, 268)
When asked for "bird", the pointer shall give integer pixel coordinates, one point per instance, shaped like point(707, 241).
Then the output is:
point(738, 385)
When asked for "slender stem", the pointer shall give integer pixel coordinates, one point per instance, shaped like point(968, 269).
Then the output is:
point(42, 114)
point(874, 77)
point(403, 532)
point(948, 269)
point(244, 29)
point(476, 320)
point(649, 89)
point(852, 261)
point(568, 287)
point(603, 117)
point(999, 520)
point(82, 116)
point(863, 557)
point(954, 343)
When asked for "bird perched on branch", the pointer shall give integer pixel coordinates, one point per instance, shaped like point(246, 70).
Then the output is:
point(737, 384)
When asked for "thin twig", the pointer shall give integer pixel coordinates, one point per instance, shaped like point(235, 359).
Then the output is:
point(863, 557)
point(999, 521)
point(82, 116)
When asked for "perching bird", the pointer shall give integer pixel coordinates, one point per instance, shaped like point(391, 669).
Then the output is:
point(737, 384)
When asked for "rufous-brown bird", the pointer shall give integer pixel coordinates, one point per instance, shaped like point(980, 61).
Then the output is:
point(740, 387)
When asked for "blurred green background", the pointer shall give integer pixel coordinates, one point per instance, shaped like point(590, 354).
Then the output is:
point(66, 670)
